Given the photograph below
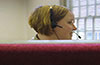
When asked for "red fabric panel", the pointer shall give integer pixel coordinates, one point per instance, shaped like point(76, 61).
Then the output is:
point(49, 54)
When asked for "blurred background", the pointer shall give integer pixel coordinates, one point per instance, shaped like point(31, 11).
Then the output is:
point(14, 16)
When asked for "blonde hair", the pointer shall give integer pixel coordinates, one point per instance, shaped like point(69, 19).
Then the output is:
point(40, 18)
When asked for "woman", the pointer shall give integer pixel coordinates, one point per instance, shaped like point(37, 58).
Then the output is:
point(52, 23)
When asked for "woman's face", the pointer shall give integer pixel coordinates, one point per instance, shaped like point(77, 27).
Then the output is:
point(67, 23)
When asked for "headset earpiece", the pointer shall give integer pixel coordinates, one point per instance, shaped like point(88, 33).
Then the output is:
point(53, 23)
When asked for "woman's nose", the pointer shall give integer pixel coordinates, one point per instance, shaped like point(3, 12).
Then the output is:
point(74, 27)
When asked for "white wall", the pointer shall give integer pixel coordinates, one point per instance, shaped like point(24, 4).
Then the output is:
point(14, 18)
point(36, 3)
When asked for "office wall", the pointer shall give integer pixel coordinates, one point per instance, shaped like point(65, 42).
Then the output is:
point(14, 18)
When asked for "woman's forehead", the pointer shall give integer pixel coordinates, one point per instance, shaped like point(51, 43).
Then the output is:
point(69, 16)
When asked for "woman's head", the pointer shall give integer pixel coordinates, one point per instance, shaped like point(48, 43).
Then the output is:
point(40, 19)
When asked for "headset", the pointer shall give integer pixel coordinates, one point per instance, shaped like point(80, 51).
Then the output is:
point(54, 24)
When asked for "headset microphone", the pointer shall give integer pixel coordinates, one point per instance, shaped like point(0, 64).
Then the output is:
point(73, 32)
point(78, 35)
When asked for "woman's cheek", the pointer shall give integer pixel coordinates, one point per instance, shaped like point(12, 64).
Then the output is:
point(69, 28)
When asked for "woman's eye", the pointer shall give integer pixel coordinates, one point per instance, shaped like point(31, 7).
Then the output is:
point(69, 22)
